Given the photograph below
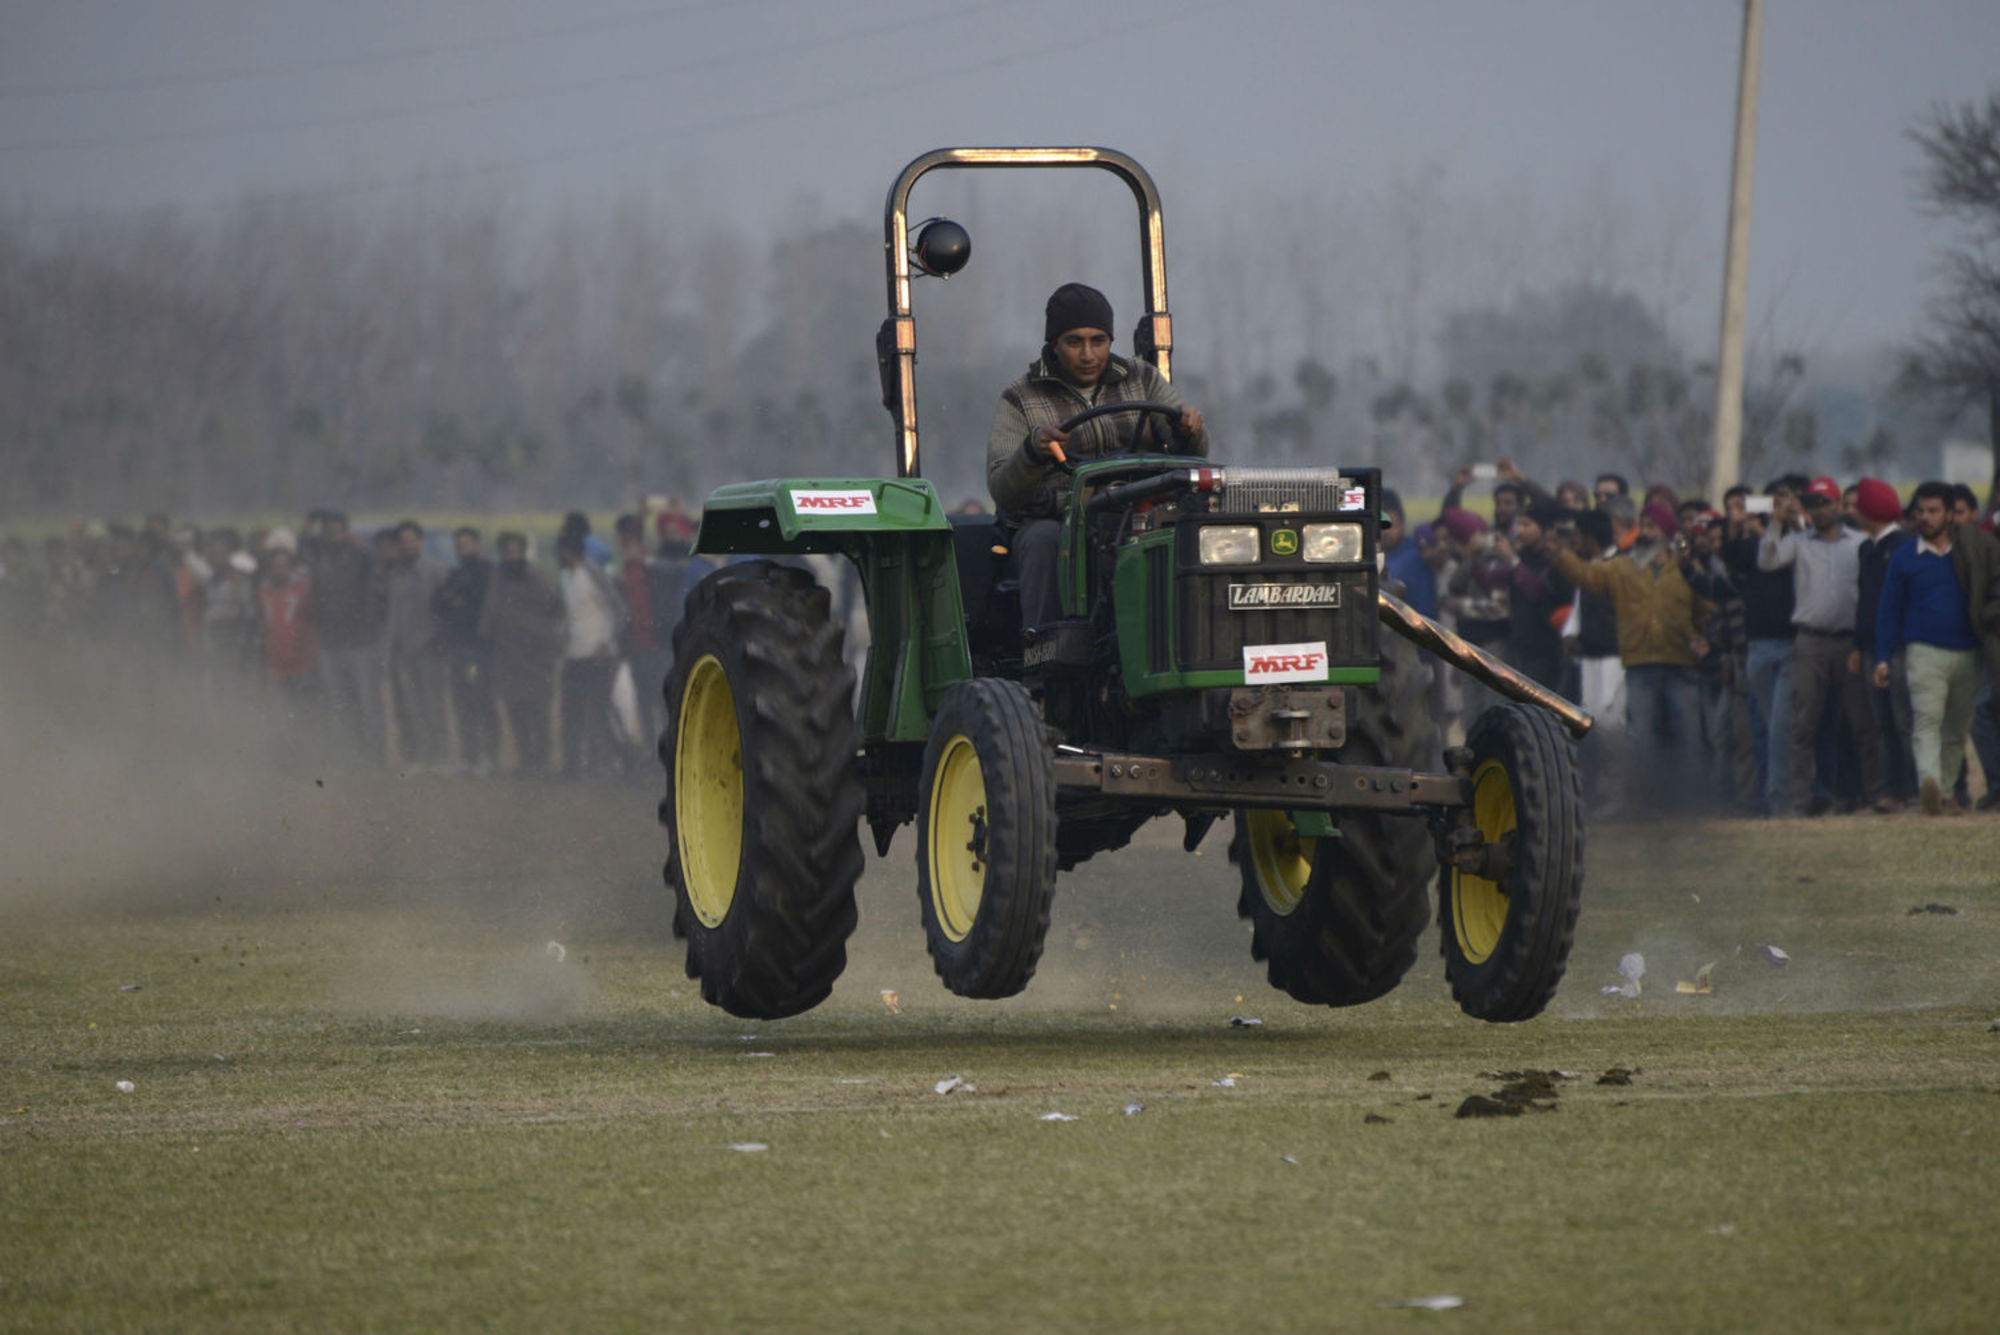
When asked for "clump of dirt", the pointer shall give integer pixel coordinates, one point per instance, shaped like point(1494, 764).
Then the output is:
point(1617, 1075)
point(1478, 1105)
point(1519, 1092)
point(1941, 910)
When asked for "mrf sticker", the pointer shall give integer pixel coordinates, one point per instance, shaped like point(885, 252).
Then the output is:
point(1265, 663)
point(860, 502)
point(1354, 498)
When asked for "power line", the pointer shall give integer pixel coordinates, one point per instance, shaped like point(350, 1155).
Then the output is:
point(439, 106)
point(427, 51)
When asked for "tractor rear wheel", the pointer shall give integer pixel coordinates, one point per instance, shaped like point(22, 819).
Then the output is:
point(986, 838)
point(1337, 920)
point(1507, 941)
point(762, 801)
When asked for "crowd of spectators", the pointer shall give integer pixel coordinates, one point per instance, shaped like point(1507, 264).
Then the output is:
point(434, 659)
point(1806, 649)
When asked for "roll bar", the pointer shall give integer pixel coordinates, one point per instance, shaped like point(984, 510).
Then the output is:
point(896, 344)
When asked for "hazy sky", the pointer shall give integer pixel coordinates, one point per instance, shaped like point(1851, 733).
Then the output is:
point(750, 107)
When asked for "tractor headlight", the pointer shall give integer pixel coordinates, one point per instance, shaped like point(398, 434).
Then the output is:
point(1328, 543)
point(1229, 545)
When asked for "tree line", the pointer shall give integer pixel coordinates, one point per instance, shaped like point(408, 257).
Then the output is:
point(282, 354)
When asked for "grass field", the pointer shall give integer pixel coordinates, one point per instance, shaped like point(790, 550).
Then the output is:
point(366, 1094)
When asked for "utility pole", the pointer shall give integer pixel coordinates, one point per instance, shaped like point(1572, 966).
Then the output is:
point(1727, 464)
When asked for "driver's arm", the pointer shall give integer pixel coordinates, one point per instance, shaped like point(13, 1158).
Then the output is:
point(1016, 473)
point(1160, 388)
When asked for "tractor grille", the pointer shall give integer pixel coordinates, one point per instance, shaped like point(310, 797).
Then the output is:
point(1249, 491)
point(1213, 638)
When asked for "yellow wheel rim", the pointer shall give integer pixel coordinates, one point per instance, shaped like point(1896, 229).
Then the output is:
point(708, 791)
point(1479, 906)
point(1282, 859)
point(957, 833)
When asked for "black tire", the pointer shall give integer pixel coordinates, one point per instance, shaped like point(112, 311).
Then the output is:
point(1345, 931)
point(761, 699)
point(986, 838)
point(1507, 943)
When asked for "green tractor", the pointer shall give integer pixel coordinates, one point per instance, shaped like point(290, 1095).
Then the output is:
point(1219, 654)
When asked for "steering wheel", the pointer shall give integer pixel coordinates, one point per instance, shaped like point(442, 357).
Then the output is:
point(1130, 406)
point(1166, 410)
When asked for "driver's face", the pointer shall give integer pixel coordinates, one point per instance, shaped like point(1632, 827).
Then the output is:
point(1084, 353)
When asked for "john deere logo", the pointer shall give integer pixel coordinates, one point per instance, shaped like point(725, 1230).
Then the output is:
point(1284, 542)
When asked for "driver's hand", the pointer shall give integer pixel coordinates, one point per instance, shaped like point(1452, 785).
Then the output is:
point(1048, 443)
point(1190, 424)
point(1881, 677)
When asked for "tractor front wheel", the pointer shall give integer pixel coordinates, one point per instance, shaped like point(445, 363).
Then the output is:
point(762, 800)
point(1507, 939)
point(1337, 920)
point(986, 838)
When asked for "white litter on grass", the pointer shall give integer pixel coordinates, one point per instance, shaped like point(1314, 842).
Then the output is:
point(749, 1147)
point(1134, 1109)
point(1226, 1082)
point(760, 1054)
point(1244, 1021)
point(1722, 1230)
point(1777, 958)
point(556, 951)
point(1058, 1117)
point(1437, 1302)
point(1632, 968)
point(1286, 1158)
point(125, 1087)
point(950, 1083)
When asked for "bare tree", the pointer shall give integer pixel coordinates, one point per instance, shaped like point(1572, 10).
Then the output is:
point(1955, 364)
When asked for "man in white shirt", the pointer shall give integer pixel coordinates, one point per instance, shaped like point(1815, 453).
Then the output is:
point(1824, 556)
point(593, 624)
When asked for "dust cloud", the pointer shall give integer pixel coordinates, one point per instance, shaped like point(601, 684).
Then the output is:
point(139, 786)
point(151, 792)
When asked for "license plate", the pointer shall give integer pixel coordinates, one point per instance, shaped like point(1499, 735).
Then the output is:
point(1262, 597)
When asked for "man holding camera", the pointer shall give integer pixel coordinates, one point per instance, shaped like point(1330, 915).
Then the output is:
point(1662, 633)
point(1811, 539)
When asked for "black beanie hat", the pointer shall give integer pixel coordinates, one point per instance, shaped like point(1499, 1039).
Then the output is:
point(1075, 306)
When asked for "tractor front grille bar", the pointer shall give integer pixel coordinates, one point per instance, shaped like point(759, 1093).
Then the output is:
point(1249, 491)
point(1239, 781)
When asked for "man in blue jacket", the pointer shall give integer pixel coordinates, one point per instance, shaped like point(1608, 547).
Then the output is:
point(1403, 557)
point(1929, 615)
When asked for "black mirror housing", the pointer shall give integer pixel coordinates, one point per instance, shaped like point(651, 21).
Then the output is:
point(942, 248)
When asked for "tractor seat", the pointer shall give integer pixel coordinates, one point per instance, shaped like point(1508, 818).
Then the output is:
point(987, 584)
point(973, 538)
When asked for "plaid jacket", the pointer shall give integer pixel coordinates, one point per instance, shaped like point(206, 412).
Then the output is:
point(1027, 486)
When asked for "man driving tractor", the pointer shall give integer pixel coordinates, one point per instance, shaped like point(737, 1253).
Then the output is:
point(1027, 445)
